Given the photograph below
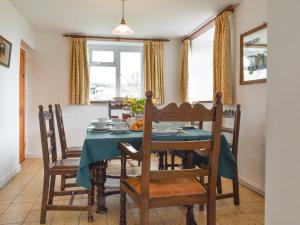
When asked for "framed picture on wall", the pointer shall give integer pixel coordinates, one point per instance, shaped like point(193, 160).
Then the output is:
point(5, 52)
point(254, 53)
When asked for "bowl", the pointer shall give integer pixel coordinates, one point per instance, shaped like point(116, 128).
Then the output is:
point(99, 125)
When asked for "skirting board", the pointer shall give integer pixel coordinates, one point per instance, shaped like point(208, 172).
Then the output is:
point(10, 175)
point(252, 186)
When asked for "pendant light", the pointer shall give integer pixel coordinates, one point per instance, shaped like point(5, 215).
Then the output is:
point(123, 28)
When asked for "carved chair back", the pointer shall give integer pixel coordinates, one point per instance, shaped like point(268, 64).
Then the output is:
point(114, 106)
point(61, 130)
point(185, 112)
point(232, 113)
point(47, 130)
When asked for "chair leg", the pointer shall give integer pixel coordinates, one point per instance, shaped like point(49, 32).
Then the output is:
point(211, 212)
point(144, 214)
point(44, 199)
point(90, 205)
point(51, 189)
point(219, 185)
point(63, 183)
point(190, 220)
point(93, 183)
point(201, 206)
point(123, 208)
point(236, 189)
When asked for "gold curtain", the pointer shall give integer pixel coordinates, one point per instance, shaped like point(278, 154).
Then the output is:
point(185, 55)
point(222, 58)
point(79, 77)
point(153, 68)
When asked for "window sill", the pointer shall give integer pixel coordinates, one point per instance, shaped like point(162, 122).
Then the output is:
point(203, 101)
point(102, 101)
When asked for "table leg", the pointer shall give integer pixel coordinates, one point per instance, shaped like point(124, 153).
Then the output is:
point(101, 179)
point(161, 161)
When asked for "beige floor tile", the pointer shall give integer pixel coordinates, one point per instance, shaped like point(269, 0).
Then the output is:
point(253, 219)
point(230, 220)
point(3, 208)
point(20, 203)
point(13, 217)
point(66, 217)
point(26, 198)
point(34, 217)
point(19, 207)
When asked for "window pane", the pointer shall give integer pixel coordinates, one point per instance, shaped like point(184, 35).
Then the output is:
point(103, 56)
point(102, 82)
point(130, 74)
point(201, 67)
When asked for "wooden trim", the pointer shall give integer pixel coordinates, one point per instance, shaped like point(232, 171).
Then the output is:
point(207, 24)
point(22, 105)
point(206, 101)
point(242, 82)
point(108, 38)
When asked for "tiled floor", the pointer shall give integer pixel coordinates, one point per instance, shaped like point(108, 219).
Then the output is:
point(20, 202)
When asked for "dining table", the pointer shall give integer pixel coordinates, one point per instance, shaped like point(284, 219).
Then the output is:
point(99, 147)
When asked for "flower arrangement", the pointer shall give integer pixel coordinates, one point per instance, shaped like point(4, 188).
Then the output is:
point(136, 105)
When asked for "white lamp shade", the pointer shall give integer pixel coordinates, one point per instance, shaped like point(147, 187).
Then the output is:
point(122, 29)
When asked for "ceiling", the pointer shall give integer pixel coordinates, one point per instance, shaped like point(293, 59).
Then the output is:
point(148, 18)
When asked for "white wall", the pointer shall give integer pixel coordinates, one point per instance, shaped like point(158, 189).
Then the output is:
point(283, 107)
point(50, 84)
point(14, 28)
point(249, 14)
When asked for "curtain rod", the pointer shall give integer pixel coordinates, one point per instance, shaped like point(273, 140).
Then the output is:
point(114, 38)
point(206, 24)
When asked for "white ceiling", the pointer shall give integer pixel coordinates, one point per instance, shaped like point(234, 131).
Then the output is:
point(148, 18)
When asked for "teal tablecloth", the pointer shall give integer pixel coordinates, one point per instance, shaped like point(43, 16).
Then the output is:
point(102, 146)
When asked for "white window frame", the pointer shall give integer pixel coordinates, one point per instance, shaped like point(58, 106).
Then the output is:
point(117, 49)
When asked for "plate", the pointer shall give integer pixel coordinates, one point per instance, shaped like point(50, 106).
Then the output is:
point(164, 132)
point(136, 130)
point(92, 129)
point(114, 130)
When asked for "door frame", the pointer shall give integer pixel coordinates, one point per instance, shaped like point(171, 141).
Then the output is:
point(22, 74)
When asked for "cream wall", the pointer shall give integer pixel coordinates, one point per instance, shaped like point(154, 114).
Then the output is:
point(283, 123)
point(15, 29)
point(49, 84)
point(249, 14)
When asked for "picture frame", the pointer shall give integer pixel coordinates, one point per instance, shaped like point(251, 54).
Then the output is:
point(5, 52)
point(253, 55)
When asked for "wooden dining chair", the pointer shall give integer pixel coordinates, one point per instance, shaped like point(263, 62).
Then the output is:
point(114, 106)
point(54, 167)
point(66, 151)
point(231, 128)
point(164, 188)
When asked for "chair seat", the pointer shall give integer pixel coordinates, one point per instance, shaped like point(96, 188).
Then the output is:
point(168, 187)
point(66, 164)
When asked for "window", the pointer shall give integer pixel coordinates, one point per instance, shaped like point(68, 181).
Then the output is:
point(115, 70)
point(201, 67)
